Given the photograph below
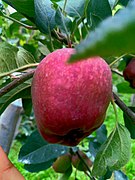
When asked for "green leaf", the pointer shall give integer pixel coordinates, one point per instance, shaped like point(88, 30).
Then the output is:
point(27, 105)
point(94, 147)
point(17, 15)
point(33, 50)
point(38, 167)
point(112, 3)
point(101, 134)
point(25, 7)
point(123, 2)
point(124, 87)
point(97, 11)
point(123, 63)
point(21, 91)
point(129, 123)
point(14, 59)
point(43, 49)
point(1, 13)
point(84, 31)
point(114, 153)
point(75, 9)
point(67, 174)
point(36, 150)
point(44, 15)
point(108, 175)
point(63, 22)
point(113, 37)
point(21, 17)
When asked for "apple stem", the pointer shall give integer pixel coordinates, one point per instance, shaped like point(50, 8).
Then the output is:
point(123, 107)
point(115, 110)
point(91, 177)
point(69, 43)
point(116, 60)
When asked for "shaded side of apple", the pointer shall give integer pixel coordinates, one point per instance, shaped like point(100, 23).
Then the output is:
point(129, 73)
point(70, 100)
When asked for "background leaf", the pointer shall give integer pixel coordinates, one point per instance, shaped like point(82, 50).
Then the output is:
point(123, 2)
point(27, 105)
point(94, 145)
point(129, 123)
point(21, 91)
point(107, 175)
point(25, 7)
point(38, 167)
point(75, 9)
point(97, 11)
point(36, 150)
point(13, 59)
point(124, 87)
point(44, 15)
point(114, 153)
point(63, 22)
point(101, 134)
point(67, 174)
point(107, 40)
point(96, 141)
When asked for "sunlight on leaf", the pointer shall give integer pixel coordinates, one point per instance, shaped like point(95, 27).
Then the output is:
point(14, 59)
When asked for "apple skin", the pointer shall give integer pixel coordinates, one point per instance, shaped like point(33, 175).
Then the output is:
point(129, 73)
point(70, 100)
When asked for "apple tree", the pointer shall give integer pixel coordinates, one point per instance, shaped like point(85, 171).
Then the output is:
point(74, 49)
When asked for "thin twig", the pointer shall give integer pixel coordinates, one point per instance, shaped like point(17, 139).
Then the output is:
point(115, 109)
point(65, 2)
point(117, 72)
point(123, 107)
point(21, 68)
point(60, 37)
point(16, 82)
point(92, 178)
point(117, 59)
point(18, 22)
point(133, 55)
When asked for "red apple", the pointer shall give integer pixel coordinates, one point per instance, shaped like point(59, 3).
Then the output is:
point(129, 73)
point(70, 100)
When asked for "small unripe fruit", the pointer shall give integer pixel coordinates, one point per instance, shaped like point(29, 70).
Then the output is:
point(62, 163)
point(70, 100)
point(78, 163)
point(129, 73)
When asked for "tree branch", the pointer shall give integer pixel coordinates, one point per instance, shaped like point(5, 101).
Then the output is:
point(117, 72)
point(123, 107)
point(16, 82)
point(19, 22)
